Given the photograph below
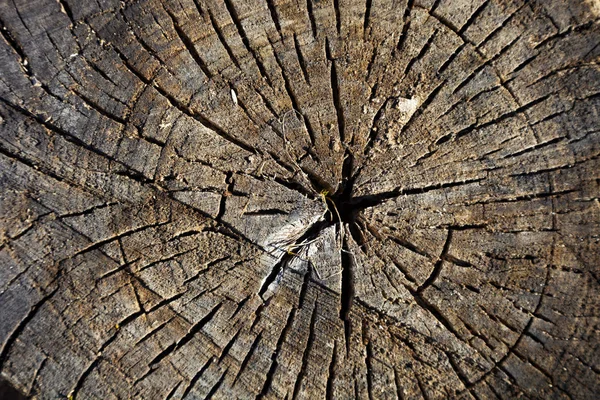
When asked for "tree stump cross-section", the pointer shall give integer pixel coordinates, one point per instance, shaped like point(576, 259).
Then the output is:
point(276, 199)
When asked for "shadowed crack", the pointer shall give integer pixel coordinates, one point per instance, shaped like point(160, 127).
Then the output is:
point(342, 209)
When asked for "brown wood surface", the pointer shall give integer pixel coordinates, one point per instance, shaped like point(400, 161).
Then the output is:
point(277, 199)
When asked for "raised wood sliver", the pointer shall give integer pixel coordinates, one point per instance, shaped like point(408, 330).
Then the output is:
point(276, 199)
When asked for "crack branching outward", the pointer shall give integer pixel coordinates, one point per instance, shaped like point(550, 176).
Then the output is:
point(344, 211)
point(311, 233)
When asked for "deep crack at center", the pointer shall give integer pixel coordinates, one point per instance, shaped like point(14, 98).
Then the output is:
point(344, 212)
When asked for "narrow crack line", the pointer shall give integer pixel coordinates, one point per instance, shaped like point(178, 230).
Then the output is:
point(221, 36)
point(367, 16)
point(425, 305)
point(230, 183)
point(32, 389)
point(371, 64)
point(403, 270)
point(12, 337)
point(434, 7)
point(153, 331)
point(488, 62)
point(348, 178)
point(301, 60)
point(280, 341)
point(438, 265)
point(347, 295)
point(331, 377)
point(558, 168)
point(479, 11)
point(498, 364)
point(267, 211)
point(421, 387)
point(173, 391)
point(405, 26)
point(395, 322)
point(450, 59)
point(477, 334)
point(311, 18)
point(526, 197)
point(291, 185)
point(524, 64)
point(305, 286)
point(421, 53)
point(258, 312)
point(105, 75)
point(271, 109)
point(64, 5)
point(338, 19)
point(307, 350)
point(369, 366)
point(222, 228)
point(435, 312)
point(79, 384)
point(217, 385)
point(512, 380)
point(248, 356)
point(144, 285)
point(274, 17)
point(292, 96)
point(26, 67)
point(335, 93)
point(373, 131)
point(242, 34)
point(571, 67)
point(17, 48)
point(571, 29)
point(140, 40)
point(194, 329)
point(100, 243)
point(373, 200)
point(399, 388)
point(94, 105)
point(196, 377)
point(184, 109)
point(405, 243)
point(69, 138)
point(189, 45)
point(423, 106)
point(92, 366)
point(535, 147)
point(240, 305)
point(297, 187)
point(520, 110)
point(274, 273)
point(458, 371)
point(500, 27)
point(309, 234)
point(31, 224)
point(164, 260)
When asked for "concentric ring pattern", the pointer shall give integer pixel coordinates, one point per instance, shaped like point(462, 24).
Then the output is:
point(300, 199)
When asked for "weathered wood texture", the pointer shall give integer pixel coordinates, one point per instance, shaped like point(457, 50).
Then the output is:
point(380, 199)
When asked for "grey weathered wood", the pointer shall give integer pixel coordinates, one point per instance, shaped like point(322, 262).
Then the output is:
point(323, 199)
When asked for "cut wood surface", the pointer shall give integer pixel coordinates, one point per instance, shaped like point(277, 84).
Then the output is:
point(277, 199)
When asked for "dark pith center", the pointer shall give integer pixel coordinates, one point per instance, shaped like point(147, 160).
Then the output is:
point(340, 208)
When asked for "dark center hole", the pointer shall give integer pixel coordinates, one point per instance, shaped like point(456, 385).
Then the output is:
point(342, 205)
point(341, 208)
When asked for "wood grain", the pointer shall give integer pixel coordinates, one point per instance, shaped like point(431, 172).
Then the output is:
point(276, 199)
